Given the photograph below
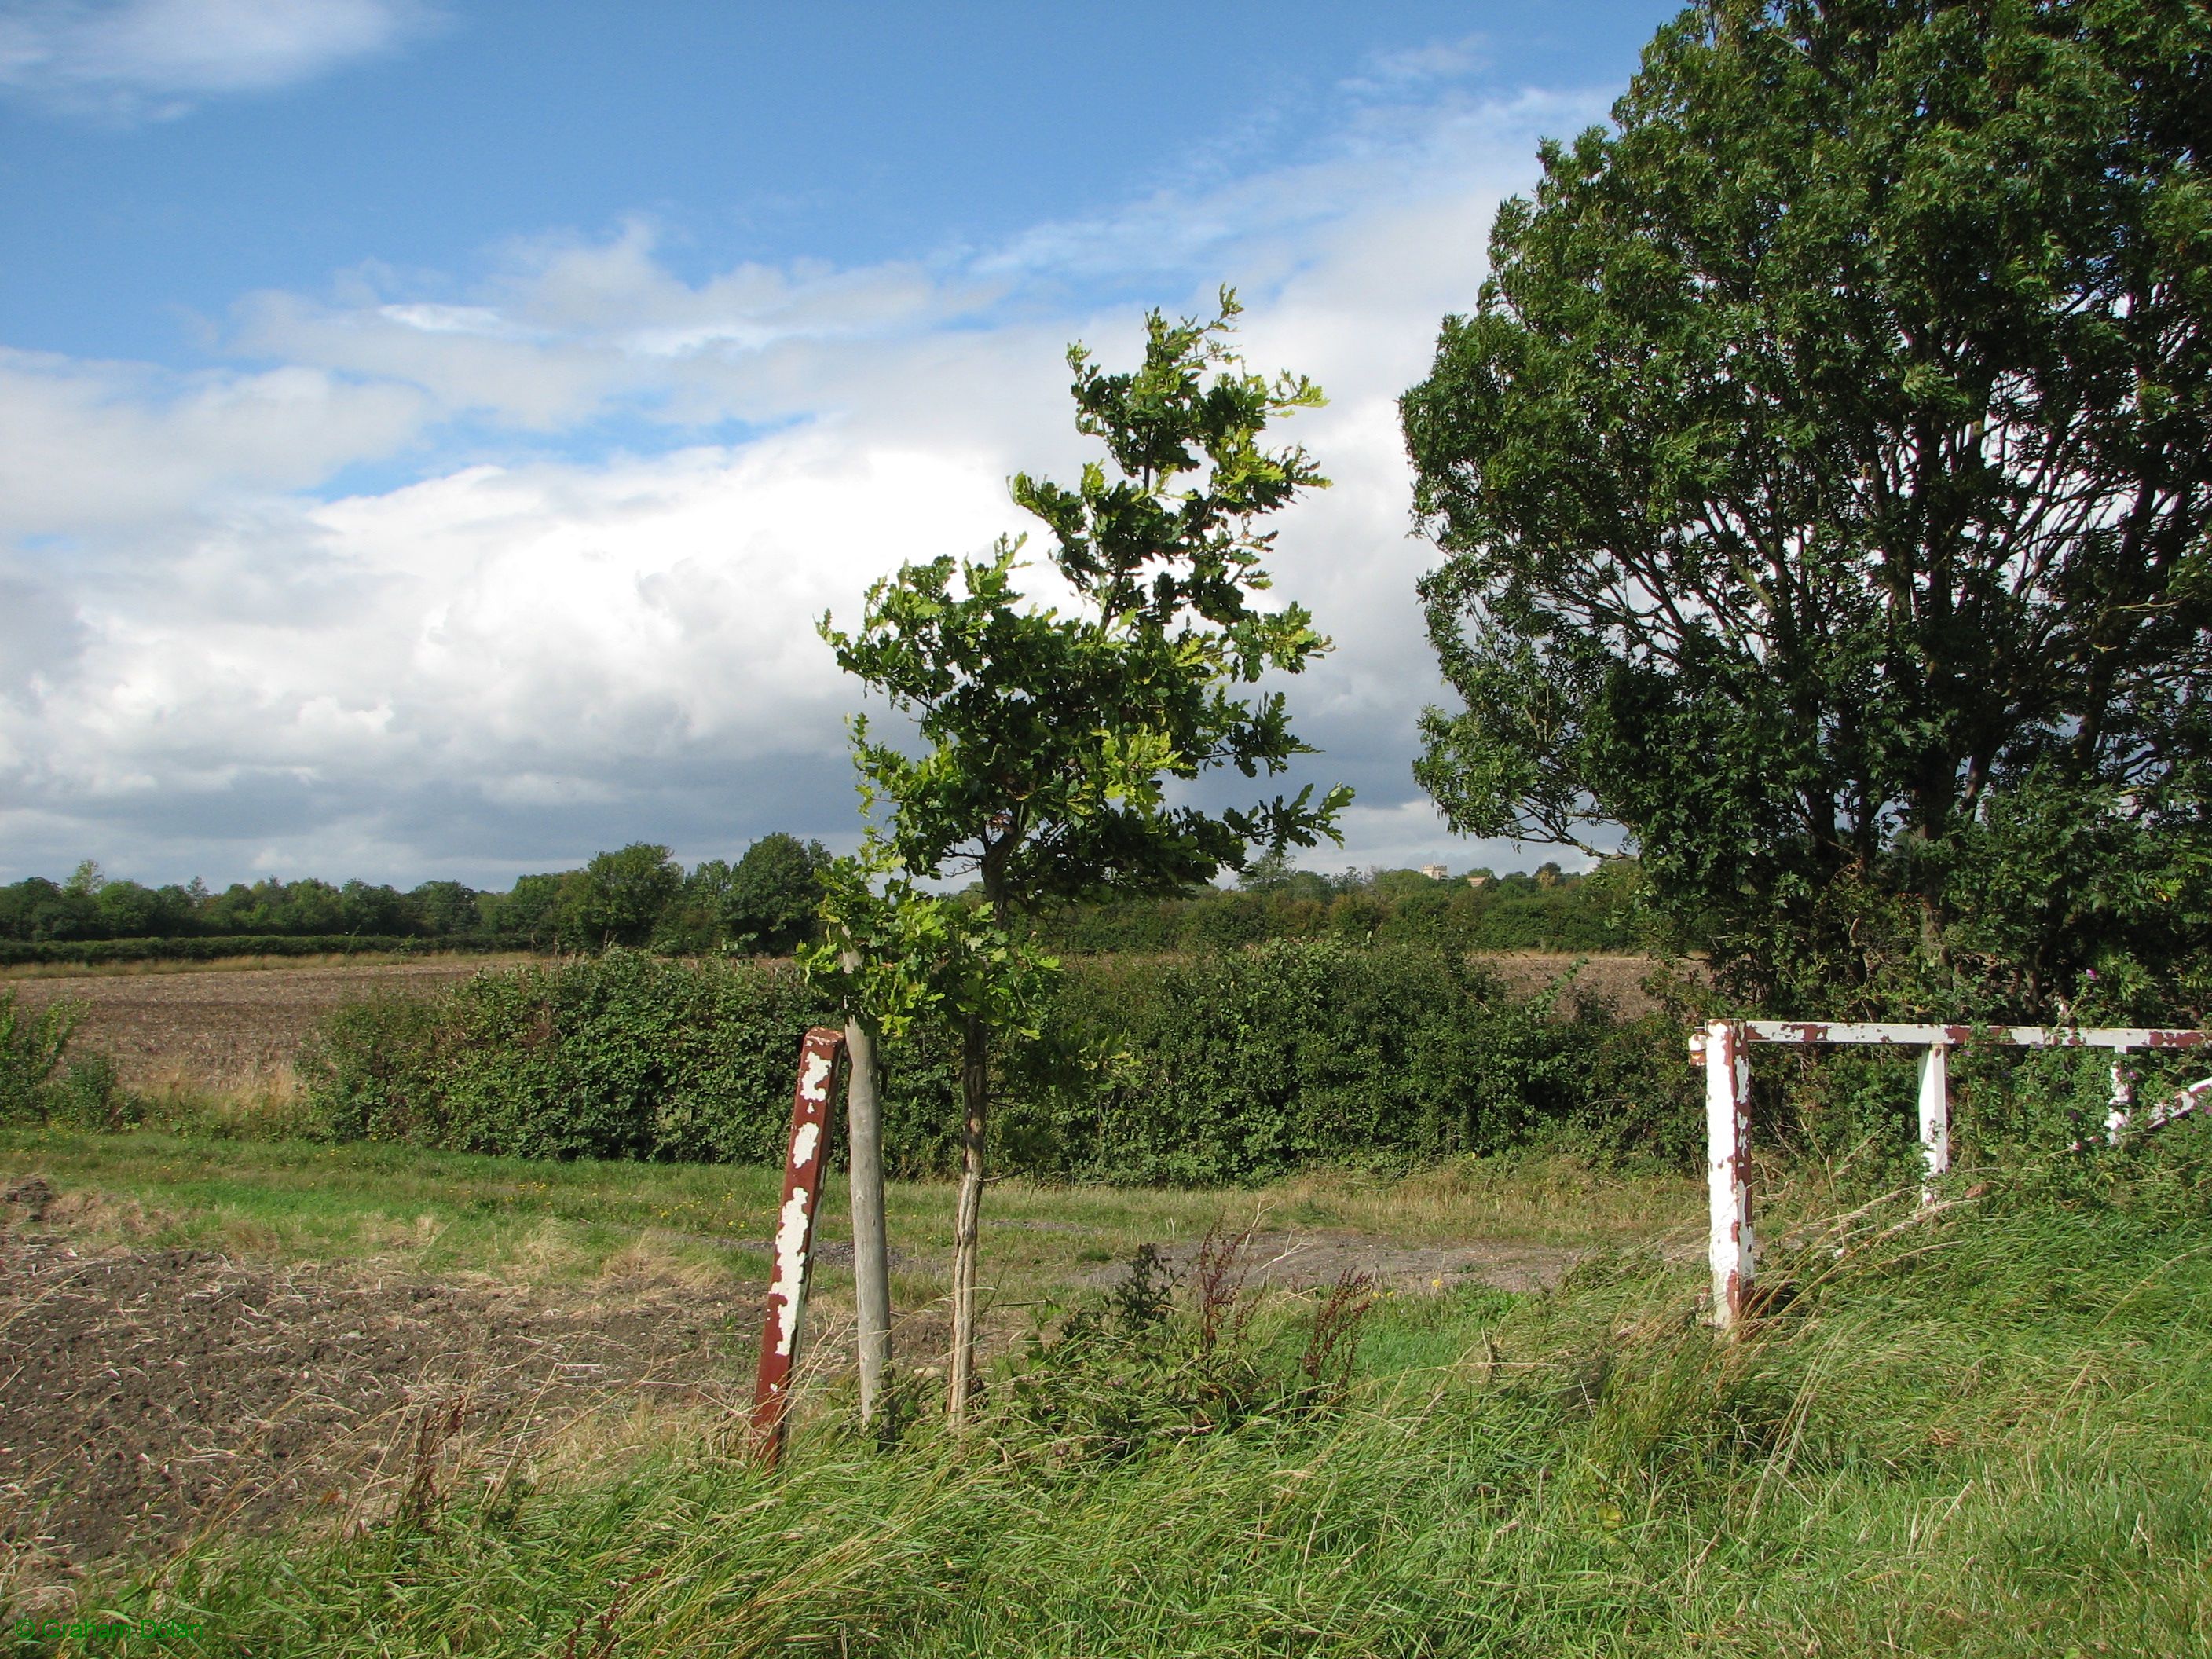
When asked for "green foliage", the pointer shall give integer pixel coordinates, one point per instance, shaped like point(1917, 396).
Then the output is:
point(31, 1048)
point(1597, 913)
point(1049, 738)
point(774, 895)
point(37, 1081)
point(1242, 1067)
point(102, 952)
point(1825, 475)
point(764, 903)
point(1210, 1071)
point(1163, 1356)
point(624, 1055)
point(620, 896)
point(369, 1071)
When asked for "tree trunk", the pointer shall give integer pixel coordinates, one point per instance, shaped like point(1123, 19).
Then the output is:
point(864, 1151)
point(967, 1222)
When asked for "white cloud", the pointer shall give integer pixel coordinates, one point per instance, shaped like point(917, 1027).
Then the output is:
point(505, 665)
point(139, 57)
point(88, 446)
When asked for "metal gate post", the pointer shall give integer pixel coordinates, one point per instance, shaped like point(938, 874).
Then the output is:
point(1935, 1115)
point(818, 1058)
point(1728, 1103)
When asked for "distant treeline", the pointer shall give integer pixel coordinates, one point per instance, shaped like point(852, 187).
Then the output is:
point(763, 904)
point(637, 895)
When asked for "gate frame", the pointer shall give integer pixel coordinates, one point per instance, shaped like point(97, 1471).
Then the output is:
point(1723, 1048)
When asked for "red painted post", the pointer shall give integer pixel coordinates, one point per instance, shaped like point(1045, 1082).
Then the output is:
point(819, 1056)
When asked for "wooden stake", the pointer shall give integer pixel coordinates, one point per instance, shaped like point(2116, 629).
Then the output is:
point(967, 1215)
point(864, 1151)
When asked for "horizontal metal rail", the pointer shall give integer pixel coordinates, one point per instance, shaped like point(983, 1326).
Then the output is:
point(1960, 1036)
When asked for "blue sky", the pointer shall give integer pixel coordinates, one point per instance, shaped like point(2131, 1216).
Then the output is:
point(426, 431)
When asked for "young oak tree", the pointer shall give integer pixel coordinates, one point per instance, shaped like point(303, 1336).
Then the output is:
point(1050, 737)
point(1825, 473)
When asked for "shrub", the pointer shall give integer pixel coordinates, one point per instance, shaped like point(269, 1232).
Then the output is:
point(1216, 1069)
point(37, 1083)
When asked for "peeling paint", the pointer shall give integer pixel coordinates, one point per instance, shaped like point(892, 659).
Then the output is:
point(786, 1295)
point(1730, 1245)
point(2021, 1036)
point(814, 1075)
point(819, 1059)
point(1721, 1049)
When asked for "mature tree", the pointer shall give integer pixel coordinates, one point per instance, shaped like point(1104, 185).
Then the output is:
point(618, 897)
point(1050, 737)
point(1825, 473)
point(773, 894)
point(447, 909)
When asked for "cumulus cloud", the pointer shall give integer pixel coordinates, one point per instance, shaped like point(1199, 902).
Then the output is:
point(156, 58)
point(553, 639)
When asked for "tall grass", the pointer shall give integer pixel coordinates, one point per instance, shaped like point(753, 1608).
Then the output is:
point(1987, 1433)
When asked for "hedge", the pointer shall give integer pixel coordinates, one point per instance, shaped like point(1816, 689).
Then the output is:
point(100, 952)
point(1214, 1069)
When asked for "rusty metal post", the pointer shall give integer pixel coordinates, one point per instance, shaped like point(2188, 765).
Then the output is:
point(1935, 1115)
point(1728, 1103)
point(820, 1055)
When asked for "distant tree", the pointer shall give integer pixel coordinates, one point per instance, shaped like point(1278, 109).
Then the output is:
point(1049, 735)
point(373, 909)
point(775, 894)
point(532, 909)
point(86, 881)
point(619, 897)
point(128, 910)
point(1825, 474)
point(446, 909)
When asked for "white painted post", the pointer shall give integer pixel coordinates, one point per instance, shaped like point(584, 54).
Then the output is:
point(1935, 1115)
point(2124, 1098)
point(1728, 1101)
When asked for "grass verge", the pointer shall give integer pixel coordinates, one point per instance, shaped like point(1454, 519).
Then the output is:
point(1989, 1433)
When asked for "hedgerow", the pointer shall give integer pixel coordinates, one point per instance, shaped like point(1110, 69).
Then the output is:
point(1224, 1068)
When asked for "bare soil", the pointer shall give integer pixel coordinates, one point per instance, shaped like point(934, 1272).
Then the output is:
point(224, 1025)
point(144, 1395)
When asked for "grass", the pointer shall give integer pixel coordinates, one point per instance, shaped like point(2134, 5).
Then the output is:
point(437, 1212)
point(1988, 1432)
point(1990, 1435)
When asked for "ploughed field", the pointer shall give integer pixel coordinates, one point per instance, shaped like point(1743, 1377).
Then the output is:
point(215, 1025)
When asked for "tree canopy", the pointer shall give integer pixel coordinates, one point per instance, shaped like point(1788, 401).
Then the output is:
point(1824, 476)
point(1050, 735)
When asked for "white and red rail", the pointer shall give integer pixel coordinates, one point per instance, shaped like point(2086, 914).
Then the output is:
point(1723, 1047)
